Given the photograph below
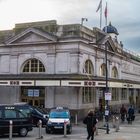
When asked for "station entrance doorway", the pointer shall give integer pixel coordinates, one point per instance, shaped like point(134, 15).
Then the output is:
point(33, 95)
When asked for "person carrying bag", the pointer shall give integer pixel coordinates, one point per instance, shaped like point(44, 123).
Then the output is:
point(90, 121)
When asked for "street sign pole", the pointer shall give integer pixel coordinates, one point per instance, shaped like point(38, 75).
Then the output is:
point(106, 91)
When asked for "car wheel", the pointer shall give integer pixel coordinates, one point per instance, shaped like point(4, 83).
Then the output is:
point(23, 132)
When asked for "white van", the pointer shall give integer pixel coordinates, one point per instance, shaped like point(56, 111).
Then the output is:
point(57, 117)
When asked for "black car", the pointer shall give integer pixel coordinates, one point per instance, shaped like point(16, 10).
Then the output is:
point(22, 123)
point(39, 114)
point(35, 112)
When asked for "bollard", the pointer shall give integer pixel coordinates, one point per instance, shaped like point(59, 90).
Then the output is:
point(10, 129)
point(76, 119)
point(113, 122)
point(40, 129)
point(65, 128)
point(117, 124)
point(96, 127)
point(104, 121)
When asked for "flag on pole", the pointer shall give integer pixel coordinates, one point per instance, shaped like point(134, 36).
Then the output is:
point(99, 6)
point(105, 12)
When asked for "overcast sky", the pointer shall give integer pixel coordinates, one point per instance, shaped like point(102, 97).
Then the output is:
point(123, 14)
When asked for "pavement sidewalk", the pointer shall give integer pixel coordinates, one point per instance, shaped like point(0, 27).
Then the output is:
point(126, 132)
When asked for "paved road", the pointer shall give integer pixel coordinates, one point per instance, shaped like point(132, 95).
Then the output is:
point(126, 132)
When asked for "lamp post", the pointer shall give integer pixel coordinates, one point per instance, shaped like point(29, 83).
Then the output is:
point(106, 91)
point(82, 20)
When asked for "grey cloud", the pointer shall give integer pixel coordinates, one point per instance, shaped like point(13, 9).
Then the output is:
point(130, 29)
point(124, 15)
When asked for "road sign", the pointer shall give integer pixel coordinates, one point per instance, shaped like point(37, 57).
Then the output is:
point(108, 96)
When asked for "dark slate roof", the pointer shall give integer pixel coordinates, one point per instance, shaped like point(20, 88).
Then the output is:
point(110, 29)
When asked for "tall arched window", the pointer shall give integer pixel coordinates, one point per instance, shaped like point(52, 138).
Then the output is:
point(88, 69)
point(33, 66)
point(103, 70)
point(114, 73)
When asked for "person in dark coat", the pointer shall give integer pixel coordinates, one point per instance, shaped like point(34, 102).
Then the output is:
point(90, 121)
point(123, 113)
point(131, 115)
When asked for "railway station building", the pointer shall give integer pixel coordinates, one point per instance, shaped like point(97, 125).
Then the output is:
point(48, 65)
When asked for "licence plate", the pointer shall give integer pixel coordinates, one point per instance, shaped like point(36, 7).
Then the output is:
point(58, 127)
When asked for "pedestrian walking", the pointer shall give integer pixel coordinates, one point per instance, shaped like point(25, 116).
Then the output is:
point(90, 121)
point(123, 113)
point(131, 115)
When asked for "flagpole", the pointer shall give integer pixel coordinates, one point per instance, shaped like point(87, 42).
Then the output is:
point(106, 12)
point(100, 8)
point(101, 16)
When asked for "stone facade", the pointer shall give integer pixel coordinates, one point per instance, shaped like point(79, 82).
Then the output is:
point(62, 51)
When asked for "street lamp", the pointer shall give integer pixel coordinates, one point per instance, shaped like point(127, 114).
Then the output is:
point(82, 20)
point(106, 91)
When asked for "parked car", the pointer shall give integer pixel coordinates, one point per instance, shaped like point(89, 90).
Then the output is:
point(39, 114)
point(22, 123)
point(35, 112)
point(57, 117)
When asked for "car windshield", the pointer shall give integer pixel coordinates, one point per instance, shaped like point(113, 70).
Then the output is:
point(59, 114)
point(25, 111)
point(41, 110)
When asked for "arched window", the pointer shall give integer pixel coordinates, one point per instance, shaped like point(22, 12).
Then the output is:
point(103, 70)
point(114, 73)
point(88, 69)
point(33, 66)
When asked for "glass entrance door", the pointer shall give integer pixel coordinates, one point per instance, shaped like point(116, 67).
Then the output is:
point(33, 96)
